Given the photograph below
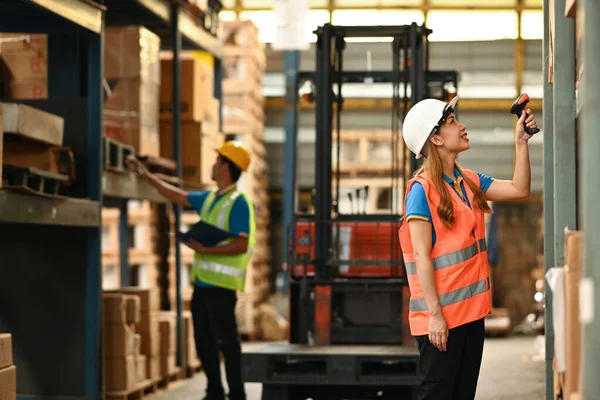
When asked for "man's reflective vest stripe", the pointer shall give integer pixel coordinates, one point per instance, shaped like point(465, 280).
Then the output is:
point(227, 271)
point(459, 258)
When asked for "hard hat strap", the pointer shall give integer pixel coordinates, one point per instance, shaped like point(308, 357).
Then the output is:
point(445, 114)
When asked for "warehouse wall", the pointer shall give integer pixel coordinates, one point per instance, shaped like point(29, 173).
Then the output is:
point(486, 71)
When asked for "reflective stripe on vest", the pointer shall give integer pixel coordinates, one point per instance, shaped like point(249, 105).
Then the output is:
point(453, 297)
point(450, 259)
point(225, 208)
point(220, 268)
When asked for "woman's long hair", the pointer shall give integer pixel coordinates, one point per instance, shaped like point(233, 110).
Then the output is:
point(433, 165)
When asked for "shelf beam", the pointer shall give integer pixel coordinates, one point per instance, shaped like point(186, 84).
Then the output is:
point(279, 103)
point(31, 209)
point(128, 186)
point(84, 13)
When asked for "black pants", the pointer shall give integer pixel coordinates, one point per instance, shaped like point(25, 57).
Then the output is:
point(215, 329)
point(453, 374)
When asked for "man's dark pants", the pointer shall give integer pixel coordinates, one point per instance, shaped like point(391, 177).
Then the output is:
point(215, 329)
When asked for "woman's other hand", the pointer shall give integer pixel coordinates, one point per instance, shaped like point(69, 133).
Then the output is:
point(438, 331)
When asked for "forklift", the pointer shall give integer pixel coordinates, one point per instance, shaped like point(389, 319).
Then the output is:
point(349, 337)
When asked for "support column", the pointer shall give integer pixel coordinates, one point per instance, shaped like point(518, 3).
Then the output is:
point(176, 44)
point(565, 166)
point(291, 66)
point(548, 194)
point(590, 143)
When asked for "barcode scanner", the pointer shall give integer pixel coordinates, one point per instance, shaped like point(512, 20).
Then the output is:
point(518, 107)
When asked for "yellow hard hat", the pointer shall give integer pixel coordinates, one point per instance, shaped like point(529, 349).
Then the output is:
point(236, 152)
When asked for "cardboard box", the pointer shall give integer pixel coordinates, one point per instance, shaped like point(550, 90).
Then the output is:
point(120, 374)
point(168, 365)
point(19, 42)
point(190, 357)
point(114, 308)
point(132, 52)
point(33, 123)
point(8, 383)
point(133, 305)
point(197, 149)
point(141, 369)
point(26, 90)
point(150, 336)
point(119, 341)
point(153, 364)
point(24, 66)
point(6, 357)
point(137, 344)
point(573, 269)
point(131, 115)
point(168, 333)
point(149, 298)
point(197, 88)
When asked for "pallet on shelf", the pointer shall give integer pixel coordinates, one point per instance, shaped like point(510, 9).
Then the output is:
point(366, 152)
point(376, 200)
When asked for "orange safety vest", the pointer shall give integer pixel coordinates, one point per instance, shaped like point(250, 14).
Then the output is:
point(459, 259)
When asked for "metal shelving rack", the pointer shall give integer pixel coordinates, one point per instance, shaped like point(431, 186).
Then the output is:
point(51, 280)
point(177, 31)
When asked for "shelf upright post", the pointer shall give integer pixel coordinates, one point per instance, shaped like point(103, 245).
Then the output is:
point(124, 242)
point(95, 74)
point(176, 44)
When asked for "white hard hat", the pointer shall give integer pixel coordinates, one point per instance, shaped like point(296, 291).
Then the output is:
point(421, 119)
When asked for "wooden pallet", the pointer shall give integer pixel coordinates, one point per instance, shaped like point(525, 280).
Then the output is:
point(32, 180)
point(166, 381)
point(142, 390)
point(192, 370)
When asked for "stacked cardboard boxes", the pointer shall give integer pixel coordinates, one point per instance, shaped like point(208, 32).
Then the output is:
point(24, 65)
point(148, 326)
point(168, 343)
point(8, 372)
point(244, 63)
point(190, 356)
point(132, 74)
point(125, 366)
point(34, 138)
point(200, 116)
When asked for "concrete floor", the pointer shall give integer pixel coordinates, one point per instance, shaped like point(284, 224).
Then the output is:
point(513, 368)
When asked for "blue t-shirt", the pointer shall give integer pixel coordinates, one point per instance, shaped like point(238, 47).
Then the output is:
point(239, 219)
point(418, 207)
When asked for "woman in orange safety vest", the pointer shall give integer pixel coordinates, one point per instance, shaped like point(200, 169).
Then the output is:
point(444, 248)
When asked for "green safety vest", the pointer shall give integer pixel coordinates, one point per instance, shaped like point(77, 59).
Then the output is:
point(223, 270)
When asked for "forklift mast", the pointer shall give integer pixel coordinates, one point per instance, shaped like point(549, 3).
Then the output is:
point(347, 277)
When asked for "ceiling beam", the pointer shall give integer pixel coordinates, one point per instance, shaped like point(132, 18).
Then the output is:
point(278, 103)
point(425, 8)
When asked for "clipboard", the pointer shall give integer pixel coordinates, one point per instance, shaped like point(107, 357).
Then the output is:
point(206, 234)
